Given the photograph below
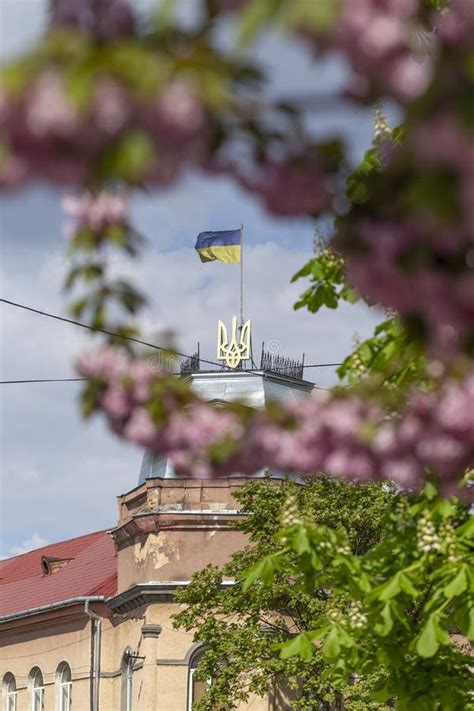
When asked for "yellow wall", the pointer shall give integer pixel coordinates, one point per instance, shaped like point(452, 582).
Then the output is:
point(160, 679)
point(167, 530)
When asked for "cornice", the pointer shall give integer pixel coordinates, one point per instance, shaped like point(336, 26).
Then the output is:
point(144, 594)
point(155, 521)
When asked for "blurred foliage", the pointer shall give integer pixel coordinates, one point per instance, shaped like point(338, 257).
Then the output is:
point(328, 282)
point(98, 299)
point(389, 358)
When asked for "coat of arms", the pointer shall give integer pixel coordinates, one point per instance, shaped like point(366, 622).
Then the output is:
point(236, 349)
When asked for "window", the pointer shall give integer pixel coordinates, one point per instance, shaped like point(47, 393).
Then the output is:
point(64, 683)
point(9, 692)
point(196, 687)
point(126, 669)
point(36, 685)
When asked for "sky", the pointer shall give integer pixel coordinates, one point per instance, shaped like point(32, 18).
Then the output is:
point(60, 476)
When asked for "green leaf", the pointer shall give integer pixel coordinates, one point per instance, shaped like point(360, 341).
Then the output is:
point(329, 296)
point(465, 618)
point(331, 646)
point(301, 542)
point(382, 694)
point(254, 17)
point(457, 585)
point(300, 645)
point(445, 508)
point(466, 531)
point(303, 272)
point(350, 295)
point(428, 643)
point(129, 159)
point(406, 585)
point(391, 588)
point(430, 491)
point(387, 626)
point(264, 570)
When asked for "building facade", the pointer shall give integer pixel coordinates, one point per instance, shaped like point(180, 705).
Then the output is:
point(86, 624)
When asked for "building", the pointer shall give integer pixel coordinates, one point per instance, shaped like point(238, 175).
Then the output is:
point(86, 623)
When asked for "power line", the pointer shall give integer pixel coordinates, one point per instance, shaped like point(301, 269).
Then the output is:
point(78, 380)
point(321, 365)
point(43, 380)
point(100, 330)
point(131, 338)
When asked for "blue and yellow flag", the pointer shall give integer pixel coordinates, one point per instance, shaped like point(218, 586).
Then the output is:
point(224, 246)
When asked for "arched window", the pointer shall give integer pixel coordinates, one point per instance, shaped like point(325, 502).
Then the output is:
point(64, 687)
point(196, 687)
point(9, 692)
point(126, 669)
point(36, 684)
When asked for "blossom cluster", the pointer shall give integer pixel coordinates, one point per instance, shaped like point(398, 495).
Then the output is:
point(96, 212)
point(428, 539)
point(379, 38)
point(435, 433)
point(341, 435)
point(297, 184)
point(424, 273)
point(50, 135)
point(106, 19)
point(55, 131)
point(383, 40)
point(415, 252)
point(129, 392)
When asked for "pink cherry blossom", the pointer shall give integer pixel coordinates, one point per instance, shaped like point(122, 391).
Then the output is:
point(108, 364)
point(140, 429)
point(296, 185)
point(111, 107)
point(49, 111)
point(96, 211)
point(344, 435)
point(180, 109)
point(104, 19)
point(117, 402)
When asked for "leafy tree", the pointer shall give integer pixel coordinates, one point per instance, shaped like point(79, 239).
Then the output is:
point(241, 627)
point(404, 606)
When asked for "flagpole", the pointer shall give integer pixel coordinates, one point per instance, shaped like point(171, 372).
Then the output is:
point(241, 276)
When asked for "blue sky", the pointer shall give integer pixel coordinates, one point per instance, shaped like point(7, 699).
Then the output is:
point(59, 476)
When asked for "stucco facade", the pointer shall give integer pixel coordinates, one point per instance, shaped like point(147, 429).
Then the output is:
point(167, 529)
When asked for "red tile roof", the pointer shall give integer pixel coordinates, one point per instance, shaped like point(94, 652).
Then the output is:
point(92, 570)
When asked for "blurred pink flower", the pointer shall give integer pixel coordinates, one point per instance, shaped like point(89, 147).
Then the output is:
point(180, 109)
point(111, 106)
point(97, 211)
point(49, 111)
point(105, 19)
point(341, 435)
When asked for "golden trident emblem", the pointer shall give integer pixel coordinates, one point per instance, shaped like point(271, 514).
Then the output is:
point(235, 351)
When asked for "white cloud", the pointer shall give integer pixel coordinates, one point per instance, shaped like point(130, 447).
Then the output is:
point(29, 544)
point(22, 471)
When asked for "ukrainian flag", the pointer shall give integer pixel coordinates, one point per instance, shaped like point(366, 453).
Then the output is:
point(224, 246)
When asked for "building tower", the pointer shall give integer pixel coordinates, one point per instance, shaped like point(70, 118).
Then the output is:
point(89, 619)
